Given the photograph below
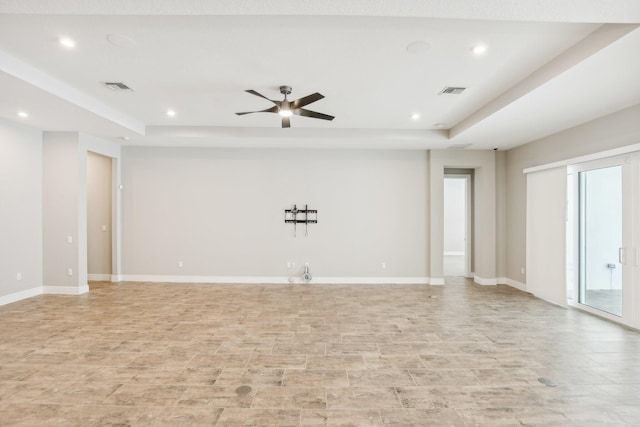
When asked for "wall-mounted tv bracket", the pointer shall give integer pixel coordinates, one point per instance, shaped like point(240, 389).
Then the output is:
point(304, 216)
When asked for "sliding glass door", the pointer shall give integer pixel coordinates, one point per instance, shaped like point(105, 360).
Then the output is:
point(606, 227)
point(600, 197)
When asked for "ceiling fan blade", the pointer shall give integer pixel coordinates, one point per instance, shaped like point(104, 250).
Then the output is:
point(253, 92)
point(306, 100)
point(285, 122)
point(313, 114)
point(273, 109)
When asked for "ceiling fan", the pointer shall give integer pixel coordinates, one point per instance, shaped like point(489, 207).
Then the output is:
point(287, 108)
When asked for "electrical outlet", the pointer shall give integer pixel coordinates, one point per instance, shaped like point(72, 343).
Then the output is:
point(69, 272)
point(19, 276)
point(288, 264)
point(522, 270)
point(384, 265)
point(180, 264)
point(69, 239)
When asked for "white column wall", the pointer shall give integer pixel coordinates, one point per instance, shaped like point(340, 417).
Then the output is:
point(61, 202)
point(20, 212)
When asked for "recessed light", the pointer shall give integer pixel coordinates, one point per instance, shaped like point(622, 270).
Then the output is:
point(23, 114)
point(479, 49)
point(171, 113)
point(415, 116)
point(67, 42)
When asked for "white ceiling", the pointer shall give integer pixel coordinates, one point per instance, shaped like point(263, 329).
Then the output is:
point(546, 69)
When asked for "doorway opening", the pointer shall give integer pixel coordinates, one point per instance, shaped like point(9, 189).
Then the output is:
point(99, 217)
point(457, 225)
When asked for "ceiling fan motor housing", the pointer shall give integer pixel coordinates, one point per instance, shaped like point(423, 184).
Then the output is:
point(285, 90)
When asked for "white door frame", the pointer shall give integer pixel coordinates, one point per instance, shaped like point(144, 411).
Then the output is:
point(467, 215)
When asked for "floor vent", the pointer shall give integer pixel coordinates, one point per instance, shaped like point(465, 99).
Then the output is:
point(452, 90)
point(547, 382)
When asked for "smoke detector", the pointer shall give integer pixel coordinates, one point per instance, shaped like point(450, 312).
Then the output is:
point(118, 86)
point(452, 90)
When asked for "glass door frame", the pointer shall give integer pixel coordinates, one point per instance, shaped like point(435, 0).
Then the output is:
point(630, 241)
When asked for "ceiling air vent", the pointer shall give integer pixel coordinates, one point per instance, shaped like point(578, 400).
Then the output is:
point(452, 90)
point(459, 146)
point(117, 86)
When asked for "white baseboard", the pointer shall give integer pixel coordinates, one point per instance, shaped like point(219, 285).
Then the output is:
point(485, 281)
point(40, 290)
point(372, 280)
point(100, 277)
point(567, 306)
point(201, 279)
point(275, 279)
point(436, 281)
point(454, 253)
point(65, 290)
point(115, 278)
point(17, 296)
point(513, 283)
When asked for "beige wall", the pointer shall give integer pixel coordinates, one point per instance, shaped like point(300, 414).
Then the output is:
point(485, 206)
point(615, 130)
point(111, 149)
point(501, 215)
point(221, 212)
point(65, 208)
point(60, 208)
point(21, 209)
point(99, 193)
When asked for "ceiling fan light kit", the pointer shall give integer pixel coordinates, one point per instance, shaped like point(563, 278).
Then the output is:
point(286, 108)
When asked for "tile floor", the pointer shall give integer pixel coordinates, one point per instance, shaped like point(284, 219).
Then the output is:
point(150, 354)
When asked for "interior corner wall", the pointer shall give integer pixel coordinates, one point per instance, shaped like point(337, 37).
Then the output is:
point(612, 131)
point(111, 149)
point(501, 215)
point(99, 192)
point(21, 212)
point(207, 212)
